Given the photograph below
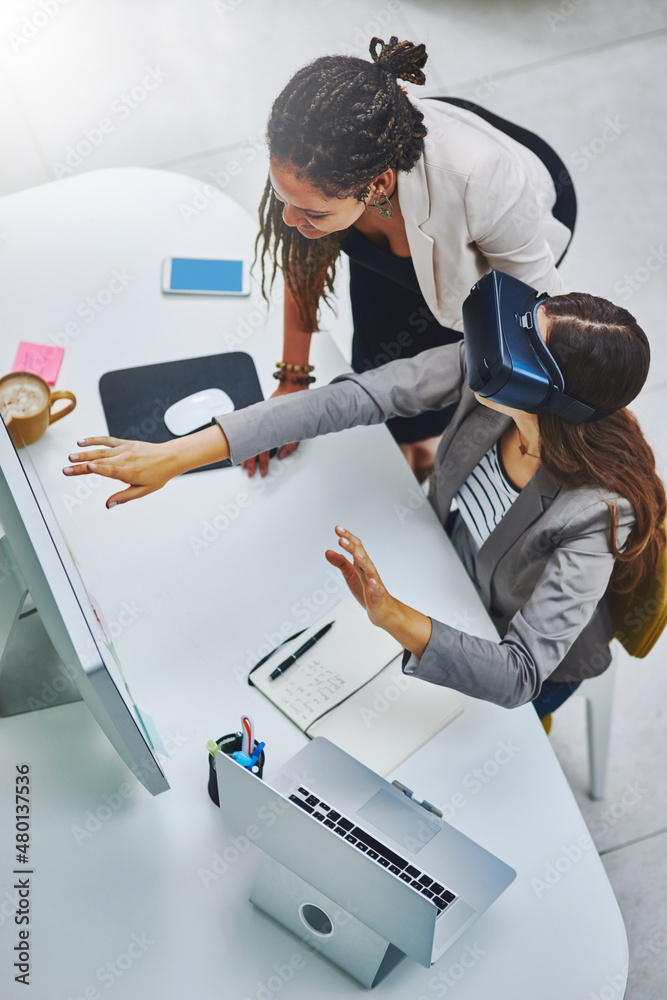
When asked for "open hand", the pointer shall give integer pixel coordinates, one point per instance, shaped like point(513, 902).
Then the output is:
point(144, 466)
point(409, 627)
point(362, 578)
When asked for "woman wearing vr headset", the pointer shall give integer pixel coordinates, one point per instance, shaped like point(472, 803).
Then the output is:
point(423, 196)
point(551, 514)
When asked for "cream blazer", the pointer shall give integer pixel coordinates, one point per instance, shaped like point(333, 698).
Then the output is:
point(476, 200)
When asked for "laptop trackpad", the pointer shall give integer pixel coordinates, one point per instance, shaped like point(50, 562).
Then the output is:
point(403, 823)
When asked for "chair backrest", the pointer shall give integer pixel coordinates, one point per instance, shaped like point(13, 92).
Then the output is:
point(640, 616)
point(565, 206)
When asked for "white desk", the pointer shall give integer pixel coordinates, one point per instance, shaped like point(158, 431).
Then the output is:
point(126, 905)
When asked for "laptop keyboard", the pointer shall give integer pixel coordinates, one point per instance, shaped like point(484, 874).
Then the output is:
point(372, 848)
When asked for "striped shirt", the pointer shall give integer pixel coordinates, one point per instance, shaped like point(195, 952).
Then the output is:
point(486, 496)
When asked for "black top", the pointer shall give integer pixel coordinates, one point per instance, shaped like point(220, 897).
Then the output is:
point(392, 320)
point(399, 269)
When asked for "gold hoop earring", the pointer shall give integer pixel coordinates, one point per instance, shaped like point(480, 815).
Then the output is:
point(384, 208)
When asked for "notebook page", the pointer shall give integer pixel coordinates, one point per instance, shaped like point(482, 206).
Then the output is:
point(389, 718)
point(350, 654)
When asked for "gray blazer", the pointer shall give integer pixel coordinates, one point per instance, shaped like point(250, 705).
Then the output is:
point(542, 573)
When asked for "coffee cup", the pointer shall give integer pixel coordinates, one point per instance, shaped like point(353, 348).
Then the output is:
point(25, 404)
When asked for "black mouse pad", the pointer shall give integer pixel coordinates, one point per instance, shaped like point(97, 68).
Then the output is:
point(135, 400)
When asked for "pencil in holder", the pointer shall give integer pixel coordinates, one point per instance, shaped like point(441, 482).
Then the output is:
point(229, 744)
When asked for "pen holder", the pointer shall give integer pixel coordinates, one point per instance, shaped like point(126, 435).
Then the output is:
point(228, 744)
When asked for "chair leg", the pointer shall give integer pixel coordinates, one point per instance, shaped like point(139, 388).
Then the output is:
point(599, 696)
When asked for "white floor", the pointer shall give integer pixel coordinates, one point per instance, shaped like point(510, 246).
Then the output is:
point(188, 85)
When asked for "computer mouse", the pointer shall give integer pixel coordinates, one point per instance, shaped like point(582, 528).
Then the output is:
point(197, 410)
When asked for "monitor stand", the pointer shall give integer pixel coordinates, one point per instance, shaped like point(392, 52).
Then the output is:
point(323, 925)
point(32, 675)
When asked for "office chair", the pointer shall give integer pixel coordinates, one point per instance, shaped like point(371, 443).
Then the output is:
point(565, 206)
point(599, 695)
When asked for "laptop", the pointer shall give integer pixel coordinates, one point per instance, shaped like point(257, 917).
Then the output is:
point(360, 842)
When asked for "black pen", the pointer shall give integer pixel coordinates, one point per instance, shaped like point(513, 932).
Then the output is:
point(276, 648)
point(281, 668)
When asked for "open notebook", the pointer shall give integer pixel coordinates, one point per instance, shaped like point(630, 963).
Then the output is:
point(349, 687)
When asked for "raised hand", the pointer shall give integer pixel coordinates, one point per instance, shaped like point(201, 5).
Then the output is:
point(409, 627)
point(143, 465)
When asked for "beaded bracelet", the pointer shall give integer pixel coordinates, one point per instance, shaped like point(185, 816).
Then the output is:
point(289, 366)
point(295, 379)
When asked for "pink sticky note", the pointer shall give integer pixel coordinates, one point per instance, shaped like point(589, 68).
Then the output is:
point(40, 359)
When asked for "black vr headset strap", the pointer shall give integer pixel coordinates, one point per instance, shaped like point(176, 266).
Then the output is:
point(572, 411)
point(527, 320)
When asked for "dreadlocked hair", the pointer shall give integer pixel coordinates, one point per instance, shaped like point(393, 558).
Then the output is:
point(604, 357)
point(338, 123)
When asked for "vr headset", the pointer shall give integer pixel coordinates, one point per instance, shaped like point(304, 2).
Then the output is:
point(507, 359)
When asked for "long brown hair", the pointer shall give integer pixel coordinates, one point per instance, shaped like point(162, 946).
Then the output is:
point(604, 357)
point(339, 122)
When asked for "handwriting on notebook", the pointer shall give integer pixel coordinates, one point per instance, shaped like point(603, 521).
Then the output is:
point(312, 690)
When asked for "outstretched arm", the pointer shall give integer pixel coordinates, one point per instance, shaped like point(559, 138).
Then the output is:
point(145, 466)
point(403, 388)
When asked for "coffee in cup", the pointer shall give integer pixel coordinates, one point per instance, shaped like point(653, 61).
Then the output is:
point(25, 405)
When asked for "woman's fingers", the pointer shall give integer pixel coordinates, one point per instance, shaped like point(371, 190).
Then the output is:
point(340, 562)
point(102, 463)
point(263, 463)
point(287, 449)
point(85, 468)
point(101, 460)
point(89, 456)
point(108, 442)
point(350, 574)
point(131, 493)
point(353, 545)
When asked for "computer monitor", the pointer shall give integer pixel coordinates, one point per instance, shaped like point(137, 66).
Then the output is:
point(35, 560)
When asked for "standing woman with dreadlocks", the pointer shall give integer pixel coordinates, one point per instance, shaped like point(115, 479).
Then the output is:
point(423, 196)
